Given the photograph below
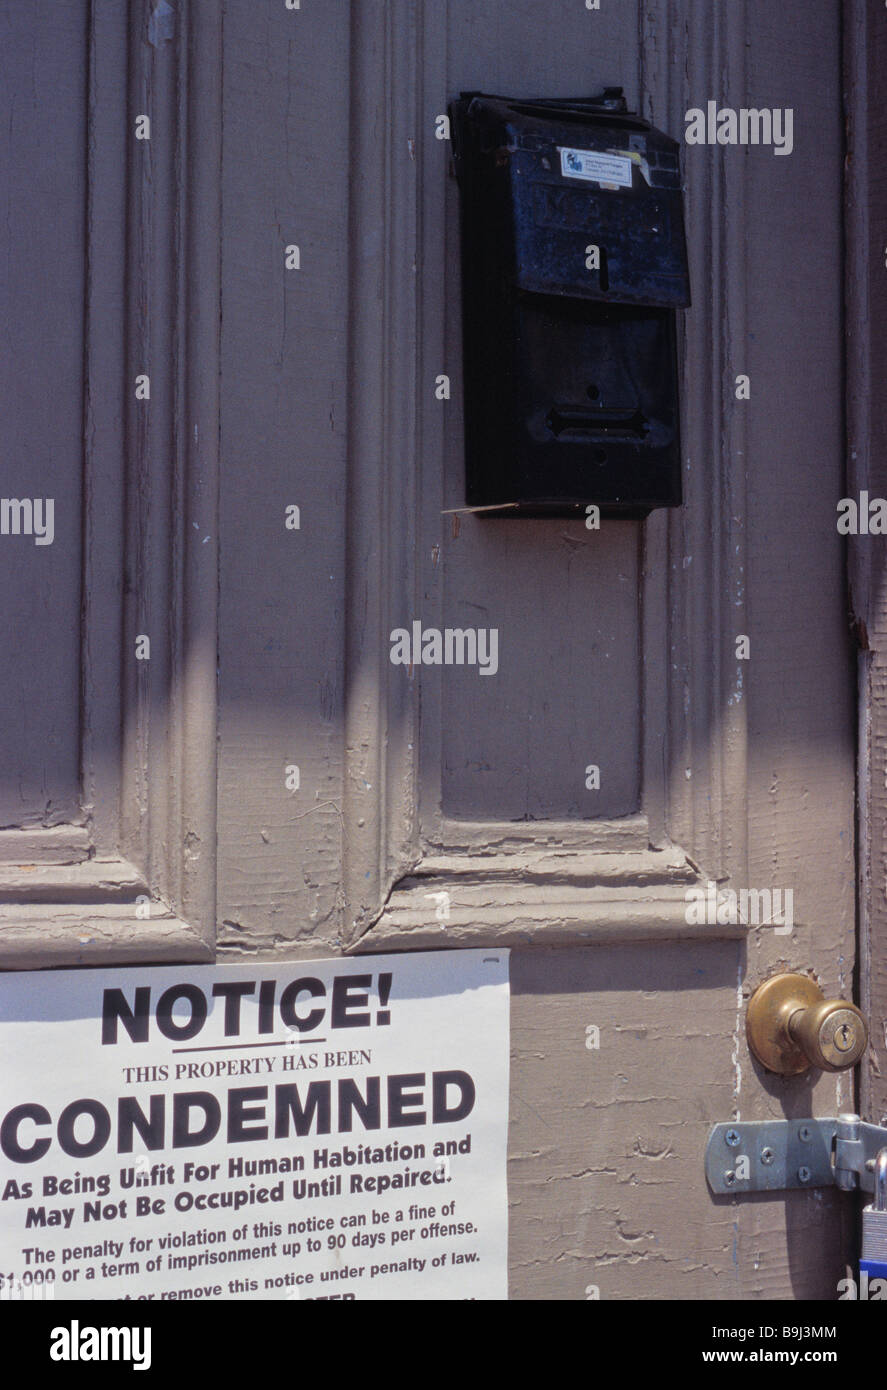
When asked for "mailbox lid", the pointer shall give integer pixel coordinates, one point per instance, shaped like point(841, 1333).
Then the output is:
point(551, 178)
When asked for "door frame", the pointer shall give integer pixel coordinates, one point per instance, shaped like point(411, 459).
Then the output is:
point(865, 85)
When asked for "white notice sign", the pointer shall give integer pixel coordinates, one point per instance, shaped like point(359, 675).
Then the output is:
point(325, 1129)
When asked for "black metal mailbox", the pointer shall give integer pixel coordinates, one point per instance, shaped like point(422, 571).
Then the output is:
point(574, 263)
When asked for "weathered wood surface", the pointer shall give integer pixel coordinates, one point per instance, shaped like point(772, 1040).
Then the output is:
point(622, 653)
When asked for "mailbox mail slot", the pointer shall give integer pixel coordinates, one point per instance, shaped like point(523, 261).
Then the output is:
point(574, 263)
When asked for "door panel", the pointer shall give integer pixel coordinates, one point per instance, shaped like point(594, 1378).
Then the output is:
point(616, 648)
point(42, 307)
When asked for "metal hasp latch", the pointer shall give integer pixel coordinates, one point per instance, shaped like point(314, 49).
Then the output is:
point(773, 1155)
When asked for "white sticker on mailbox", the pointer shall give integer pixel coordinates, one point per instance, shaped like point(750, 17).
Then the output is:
point(595, 167)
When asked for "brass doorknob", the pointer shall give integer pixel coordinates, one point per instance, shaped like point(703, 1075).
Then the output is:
point(791, 1026)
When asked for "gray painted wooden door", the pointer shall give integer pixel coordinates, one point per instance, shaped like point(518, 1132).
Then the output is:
point(280, 261)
